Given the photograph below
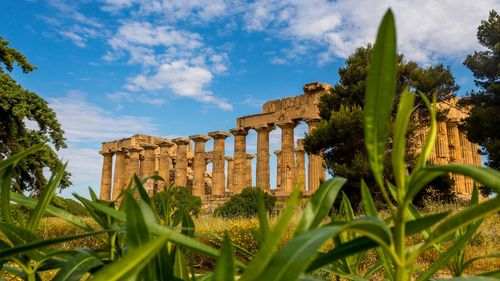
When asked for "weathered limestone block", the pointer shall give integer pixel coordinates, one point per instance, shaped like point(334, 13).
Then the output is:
point(300, 165)
point(442, 148)
point(165, 164)
point(455, 151)
point(199, 165)
point(239, 158)
point(249, 170)
point(132, 163)
point(263, 174)
point(181, 161)
point(218, 166)
point(119, 173)
point(107, 171)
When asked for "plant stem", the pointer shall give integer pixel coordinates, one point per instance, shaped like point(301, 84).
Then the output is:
point(399, 240)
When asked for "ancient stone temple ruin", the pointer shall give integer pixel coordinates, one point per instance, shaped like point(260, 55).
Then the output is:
point(183, 161)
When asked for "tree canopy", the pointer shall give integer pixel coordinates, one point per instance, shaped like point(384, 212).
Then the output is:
point(26, 120)
point(483, 123)
point(339, 136)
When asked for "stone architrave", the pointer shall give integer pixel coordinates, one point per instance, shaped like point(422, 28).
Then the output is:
point(249, 170)
point(442, 148)
point(300, 165)
point(455, 150)
point(107, 172)
point(278, 170)
point(133, 163)
point(165, 163)
point(119, 173)
point(181, 161)
point(315, 170)
point(240, 155)
point(262, 174)
point(147, 168)
point(287, 155)
point(218, 161)
point(230, 173)
point(199, 164)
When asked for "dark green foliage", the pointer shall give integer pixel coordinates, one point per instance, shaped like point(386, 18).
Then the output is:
point(69, 205)
point(340, 137)
point(484, 119)
point(179, 198)
point(18, 105)
point(244, 204)
point(439, 190)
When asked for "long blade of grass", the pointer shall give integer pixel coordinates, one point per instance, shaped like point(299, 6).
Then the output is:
point(180, 267)
point(133, 262)
point(77, 266)
point(224, 269)
point(486, 176)
point(267, 250)
point(262, 215)
point(399, 144)
point(380, 91)
point(320, 204)
point(430, 138)
point(44, 200)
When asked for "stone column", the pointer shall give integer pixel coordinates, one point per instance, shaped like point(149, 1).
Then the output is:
point(181, 161)
point(476, 155)
point(107, 172)
point(119, 173)
point(240, 155)
point(199, 164)
point(164, 163)
point(287, 155)
point(248, 180)
point(263, 177)
point(147, 168)
point(442, 149)
point(218, 161)
point(301, 165)
point(455, 150)
point(468, 159)
point(230, 174)
point(133, 162)
point(315, 170)
point(278, 170)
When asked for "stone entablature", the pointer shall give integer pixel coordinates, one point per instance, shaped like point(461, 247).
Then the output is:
point(183, 161)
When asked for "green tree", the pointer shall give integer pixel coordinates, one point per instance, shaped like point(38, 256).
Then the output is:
point(19, 107)
point(484, 119)
point(339, 137)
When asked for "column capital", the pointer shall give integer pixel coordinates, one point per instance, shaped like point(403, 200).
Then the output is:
point(199, 138)
point(149, 146)
point(106, 153)
point(181, 141)
point(137, 149)
point(264, 128)
point(118, 151)
point(229, 158)
point(250, 156)
point(300, 144)
point(277, 152)
point(286, 123)
point(219, 134)
point(239, 131)
point(165, 143)
point(312, 120)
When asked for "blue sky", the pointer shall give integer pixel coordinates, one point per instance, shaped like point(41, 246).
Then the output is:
point(113, 68)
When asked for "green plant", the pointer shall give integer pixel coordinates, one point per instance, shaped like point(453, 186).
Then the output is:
point(244, 204)
point(69, 205)
point(180, 198)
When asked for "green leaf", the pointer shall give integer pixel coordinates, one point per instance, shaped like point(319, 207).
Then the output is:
point(133, 262)
point(180, 267)
point(367, 200)
point(262, 215)
point(320, 204)
point(224, 269)
point(380, 91)
point(467, 278)
point(44, 200)
point(267, 250)
point(14, 159)
point(430, 138)
point(490, 256)
point(418, 180)
point(462, 219)
point(486, 176)
point(5, 184)
point(78, 265)
point(399, 144)
point(137, 230)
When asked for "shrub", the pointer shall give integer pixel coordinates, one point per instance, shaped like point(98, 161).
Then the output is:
point(178, 197)
point(244, 204)
point(69, 205)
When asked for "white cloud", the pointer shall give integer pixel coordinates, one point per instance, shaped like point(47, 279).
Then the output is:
point(75, 38)
point(427, 30)
point(173, 59)
point(83, 121)
point(120, 97)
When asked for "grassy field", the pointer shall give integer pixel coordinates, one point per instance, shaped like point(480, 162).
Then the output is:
point(243, 233)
